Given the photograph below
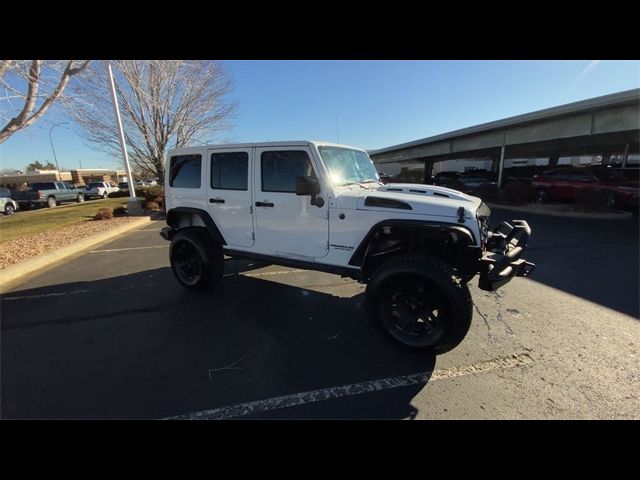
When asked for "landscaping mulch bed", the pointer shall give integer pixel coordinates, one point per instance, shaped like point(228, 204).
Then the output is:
point(24, 248)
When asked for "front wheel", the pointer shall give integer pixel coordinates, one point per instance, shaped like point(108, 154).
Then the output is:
point(104, 195)
point(196, 260)
point(419, 302)
point(80, 198)
point(51, 202)
point(9, 209)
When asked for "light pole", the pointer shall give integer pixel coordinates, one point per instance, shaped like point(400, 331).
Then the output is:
point(54, 152)
point(134, 205)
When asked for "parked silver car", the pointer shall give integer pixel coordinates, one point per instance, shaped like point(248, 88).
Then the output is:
point(7, 205)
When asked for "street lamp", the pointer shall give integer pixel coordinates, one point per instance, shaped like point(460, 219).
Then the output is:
point(54, 152)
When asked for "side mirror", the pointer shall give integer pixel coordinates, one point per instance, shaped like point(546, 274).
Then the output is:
point(307, 186)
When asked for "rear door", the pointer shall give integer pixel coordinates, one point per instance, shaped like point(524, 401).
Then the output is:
point(229, 199)
point(286, 223)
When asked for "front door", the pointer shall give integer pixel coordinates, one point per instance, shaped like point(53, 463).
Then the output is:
point(229, 195)
point(286, 223)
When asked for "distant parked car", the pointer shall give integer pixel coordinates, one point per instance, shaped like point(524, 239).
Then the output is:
point(444, 178)
point(123, 186)
point(99, 190)
point(48, 193)
point(564, 184)
point(7, 205)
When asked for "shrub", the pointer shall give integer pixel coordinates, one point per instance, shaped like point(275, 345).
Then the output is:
point(120, 211)
point(150, 193)
point(593, 200)
point(119, 194)
point(103, 214)
point(517, 193)
point(152, 206)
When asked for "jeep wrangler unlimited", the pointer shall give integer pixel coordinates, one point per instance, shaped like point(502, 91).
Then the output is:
point(321, 206)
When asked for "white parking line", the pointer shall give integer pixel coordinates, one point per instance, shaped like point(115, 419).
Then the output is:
point(45, 295)
point(323, 394)
point(129, 248)
point(265, 274)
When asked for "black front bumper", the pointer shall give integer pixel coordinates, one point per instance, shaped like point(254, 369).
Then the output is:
point(501, 260)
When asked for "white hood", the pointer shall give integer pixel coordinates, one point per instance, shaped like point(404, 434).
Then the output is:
point(423, 199)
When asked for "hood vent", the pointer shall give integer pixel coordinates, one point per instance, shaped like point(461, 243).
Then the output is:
point(386, 203)
point(430, 190)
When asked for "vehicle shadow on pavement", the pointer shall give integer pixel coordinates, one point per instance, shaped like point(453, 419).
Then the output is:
point(140, 346)
point(594, 259)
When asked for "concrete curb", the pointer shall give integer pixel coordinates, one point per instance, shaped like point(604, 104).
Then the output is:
point(556, 213)
point(14, 272)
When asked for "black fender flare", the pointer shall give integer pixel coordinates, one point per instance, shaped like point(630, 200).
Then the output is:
point(462, 231)
point(174, 215)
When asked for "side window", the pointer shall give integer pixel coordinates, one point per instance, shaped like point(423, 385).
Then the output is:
point(230, 170)
point(580, 177)
point(60, 185)
point(280, 169)
point(69, 186)
point(184, 171)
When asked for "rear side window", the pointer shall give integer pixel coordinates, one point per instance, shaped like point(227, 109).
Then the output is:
point(230, 170)
point(280, 169)
point(184, 171)
point(43, 186)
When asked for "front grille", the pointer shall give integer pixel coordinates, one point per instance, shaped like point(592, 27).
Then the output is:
point(484, 230)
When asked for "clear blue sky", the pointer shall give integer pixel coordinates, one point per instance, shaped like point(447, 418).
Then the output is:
point(377, 103)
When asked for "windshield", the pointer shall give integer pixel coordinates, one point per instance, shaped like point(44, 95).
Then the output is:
point(608, 176)
point(348, 166)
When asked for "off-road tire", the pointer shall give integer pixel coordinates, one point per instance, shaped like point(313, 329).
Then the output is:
point(198, 242)
point(440, 278)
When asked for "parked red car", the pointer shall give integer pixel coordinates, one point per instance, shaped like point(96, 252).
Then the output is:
point(563, 184)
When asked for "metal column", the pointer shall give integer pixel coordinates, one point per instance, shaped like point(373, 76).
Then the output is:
point(626, 155)
point(501, 166)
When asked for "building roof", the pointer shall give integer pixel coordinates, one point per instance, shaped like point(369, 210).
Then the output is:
point(605, 101)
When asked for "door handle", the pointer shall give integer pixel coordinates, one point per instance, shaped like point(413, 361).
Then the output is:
point(216, 200)
point(264, 204)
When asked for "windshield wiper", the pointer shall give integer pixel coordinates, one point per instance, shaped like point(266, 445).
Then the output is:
point(352, 183)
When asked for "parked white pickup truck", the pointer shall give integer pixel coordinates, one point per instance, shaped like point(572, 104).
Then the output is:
point(99, 190)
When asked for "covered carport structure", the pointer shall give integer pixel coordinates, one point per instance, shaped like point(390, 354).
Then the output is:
point(604, 125)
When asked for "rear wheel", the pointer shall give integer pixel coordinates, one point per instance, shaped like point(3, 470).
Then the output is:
point(196, 260)
point(420, 303)
point(105, 195)
point(51, 202)
point(9, 209)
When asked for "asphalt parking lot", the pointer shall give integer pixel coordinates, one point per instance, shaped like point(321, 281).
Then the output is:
point(111, 334)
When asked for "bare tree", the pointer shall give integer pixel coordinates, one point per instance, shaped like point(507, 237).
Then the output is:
point(30, 88)
point(163, 104)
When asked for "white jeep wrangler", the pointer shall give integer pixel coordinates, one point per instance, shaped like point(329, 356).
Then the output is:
point(321, 206)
